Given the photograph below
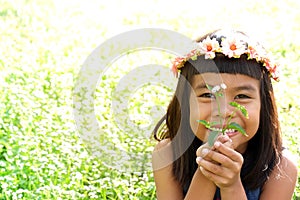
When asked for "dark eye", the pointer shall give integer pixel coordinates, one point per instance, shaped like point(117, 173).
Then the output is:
point(242, 96)
point(207, 95)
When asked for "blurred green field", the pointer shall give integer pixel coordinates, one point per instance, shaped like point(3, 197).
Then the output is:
point(43, 45)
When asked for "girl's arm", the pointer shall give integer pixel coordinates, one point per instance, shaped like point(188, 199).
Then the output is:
point(201, 188)
point(167, 187)
point(282, 181)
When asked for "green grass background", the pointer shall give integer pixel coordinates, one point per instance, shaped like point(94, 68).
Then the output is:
point(42, 47)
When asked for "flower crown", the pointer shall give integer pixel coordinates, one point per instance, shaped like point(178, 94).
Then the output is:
point(230, 47)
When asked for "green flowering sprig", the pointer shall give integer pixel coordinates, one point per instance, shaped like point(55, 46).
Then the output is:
point(218, 92)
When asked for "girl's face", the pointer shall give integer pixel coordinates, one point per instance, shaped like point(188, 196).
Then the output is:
point(203, 105)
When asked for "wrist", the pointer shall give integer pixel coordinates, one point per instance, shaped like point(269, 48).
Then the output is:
point(232, 191)
point(201, 187)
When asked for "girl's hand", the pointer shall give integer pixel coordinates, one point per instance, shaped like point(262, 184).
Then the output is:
point(221, 164)
point(205, 148)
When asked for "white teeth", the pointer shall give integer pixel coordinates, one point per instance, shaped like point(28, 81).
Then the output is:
point(216, 129)
point(229, 131)
point(220, 130)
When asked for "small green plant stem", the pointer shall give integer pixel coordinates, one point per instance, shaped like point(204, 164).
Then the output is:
point(228, 121)
point(219, 111)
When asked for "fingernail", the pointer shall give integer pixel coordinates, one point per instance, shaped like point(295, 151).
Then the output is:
point(228, 138)
point(217, 144)
point(198, 160)
point(204, 152)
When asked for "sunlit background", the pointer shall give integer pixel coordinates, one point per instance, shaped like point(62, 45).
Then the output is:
point(43, 45)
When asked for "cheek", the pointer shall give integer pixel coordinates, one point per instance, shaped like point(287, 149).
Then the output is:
point(194, 115)
point(254, 122)
point(198, 129)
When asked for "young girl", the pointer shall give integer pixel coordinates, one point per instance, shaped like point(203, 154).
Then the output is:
point(236, 166)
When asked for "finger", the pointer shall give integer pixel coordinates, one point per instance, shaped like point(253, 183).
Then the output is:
point(209, 175)
point(229, 144)
point(211, 167)
point(202, 151)
point(213, 170)
point(220, 181)
point(223, 172)
point(229, 152)
point(224, 138)
point(210, 155)
point(220, 159)
point(230, 159)
point(202, 155)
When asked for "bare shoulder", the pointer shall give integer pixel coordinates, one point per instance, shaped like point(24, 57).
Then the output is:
point(282, 181)
point(161, 144)
point(162, 163)
point(288, 167)
point(162, 155)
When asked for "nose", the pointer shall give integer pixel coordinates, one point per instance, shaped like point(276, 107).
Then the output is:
point(223, 109)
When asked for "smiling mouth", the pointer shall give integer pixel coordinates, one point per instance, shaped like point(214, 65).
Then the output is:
point(227, 131)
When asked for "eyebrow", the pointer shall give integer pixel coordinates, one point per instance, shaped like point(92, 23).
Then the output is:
point(245, 87)
point(201, 86)
point(238, 88)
